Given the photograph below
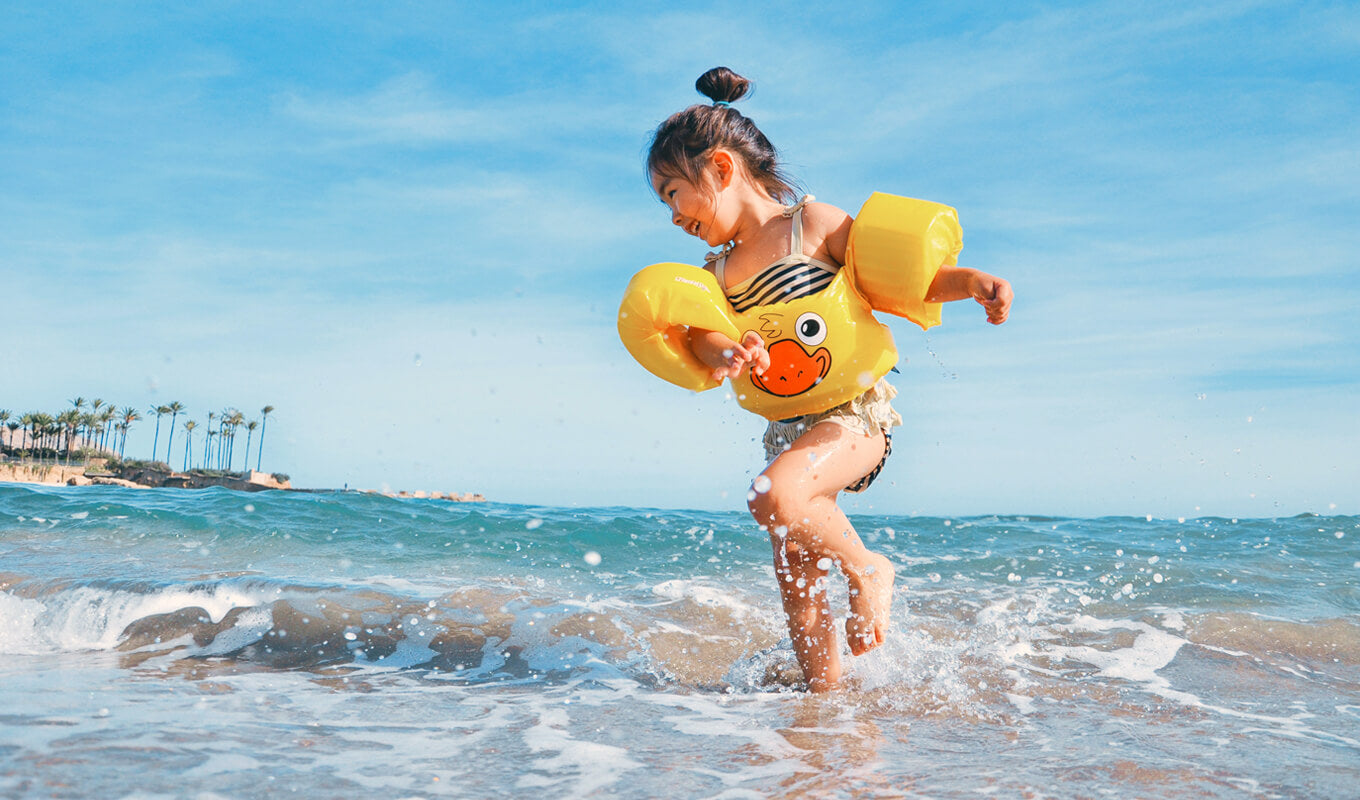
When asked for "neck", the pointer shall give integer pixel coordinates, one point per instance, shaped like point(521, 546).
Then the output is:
point(755, 209)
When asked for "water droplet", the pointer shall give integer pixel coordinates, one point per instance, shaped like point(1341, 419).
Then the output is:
point(825, 564)
point(250, 508)
point(592, 558)
point(761, 484)
point(533, 523)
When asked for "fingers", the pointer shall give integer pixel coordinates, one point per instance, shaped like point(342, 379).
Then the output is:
point(998, 306)
point(738, 359)
point(749, 353)
point(757, 356)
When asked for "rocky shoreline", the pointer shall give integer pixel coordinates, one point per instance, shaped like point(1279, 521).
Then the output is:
point(157, 476)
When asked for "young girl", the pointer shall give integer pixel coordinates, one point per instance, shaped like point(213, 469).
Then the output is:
point(721, 179)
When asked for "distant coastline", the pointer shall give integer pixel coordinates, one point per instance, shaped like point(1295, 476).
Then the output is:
point(153, 475)
point(90, 438)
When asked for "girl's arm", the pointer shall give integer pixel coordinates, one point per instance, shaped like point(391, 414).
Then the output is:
point(959, 283)
point(831, 226)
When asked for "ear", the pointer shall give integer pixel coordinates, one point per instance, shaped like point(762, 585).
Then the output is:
point(725, 167)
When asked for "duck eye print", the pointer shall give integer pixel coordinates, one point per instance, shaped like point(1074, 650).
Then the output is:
point(811, 329)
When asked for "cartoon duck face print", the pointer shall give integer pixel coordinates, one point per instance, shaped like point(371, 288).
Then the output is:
point(795, 367)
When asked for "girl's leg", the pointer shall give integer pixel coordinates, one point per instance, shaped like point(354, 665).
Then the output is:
point(802, 587)
point(800, 513)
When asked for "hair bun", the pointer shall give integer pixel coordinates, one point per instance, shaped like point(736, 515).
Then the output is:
point(722, 85)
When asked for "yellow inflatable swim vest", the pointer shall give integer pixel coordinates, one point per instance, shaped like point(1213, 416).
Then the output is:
point(825, 349)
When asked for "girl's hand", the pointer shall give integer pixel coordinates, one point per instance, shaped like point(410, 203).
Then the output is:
point(993, 293)
point(958, 283)
point(749, 352)
point(729, 358)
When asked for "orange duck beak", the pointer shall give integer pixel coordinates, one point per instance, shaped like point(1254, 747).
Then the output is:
point(792, 370)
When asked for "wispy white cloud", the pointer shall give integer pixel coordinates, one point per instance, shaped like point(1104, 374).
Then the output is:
point(404, 109)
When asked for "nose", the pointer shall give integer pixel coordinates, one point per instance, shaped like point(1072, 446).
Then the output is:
point(676, 219)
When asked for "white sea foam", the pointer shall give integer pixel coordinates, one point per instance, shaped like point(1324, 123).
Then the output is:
point(704, 595)
point(1152, 650)
point(585, 767)
point(89, 618)
point(1023, 703)
point(249, 627)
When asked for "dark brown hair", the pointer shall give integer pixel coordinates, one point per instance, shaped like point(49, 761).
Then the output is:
point(681, 144)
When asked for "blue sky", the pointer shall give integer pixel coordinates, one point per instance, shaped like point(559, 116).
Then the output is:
point(407, 226)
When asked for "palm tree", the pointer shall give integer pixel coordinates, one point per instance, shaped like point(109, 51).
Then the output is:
point(174, 408)
point(233, 420)
point(259, 452)
point(41, 424)
point(87, 422)
point(158, 411)
point(189, 426)
point(221, 439)
point(77, 405)
point(13, 426)
point(94, 426)
point(250, 431)
point(207, 448)
point(69, 421)
point(106, 418)
point(25, 422)
point(4, 417)
point(130, 416)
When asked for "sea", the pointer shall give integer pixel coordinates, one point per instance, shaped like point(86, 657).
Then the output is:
point(215, 644)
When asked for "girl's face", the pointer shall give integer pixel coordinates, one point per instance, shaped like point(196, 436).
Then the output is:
point(696, 209)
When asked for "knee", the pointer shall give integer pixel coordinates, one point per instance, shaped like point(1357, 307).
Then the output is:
point(773, 502)
point(782, 504)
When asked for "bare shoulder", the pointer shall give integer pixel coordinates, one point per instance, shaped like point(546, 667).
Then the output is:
point(824, 216)
point(829, 227)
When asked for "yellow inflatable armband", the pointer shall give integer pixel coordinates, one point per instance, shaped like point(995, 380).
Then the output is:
point(660, 304)
point(896, 246)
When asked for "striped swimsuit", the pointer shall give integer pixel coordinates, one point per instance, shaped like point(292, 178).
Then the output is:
point(791, 277)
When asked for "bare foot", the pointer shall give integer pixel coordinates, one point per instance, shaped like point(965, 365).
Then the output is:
point(870, 604)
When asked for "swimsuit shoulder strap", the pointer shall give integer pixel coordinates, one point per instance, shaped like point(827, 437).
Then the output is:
point(719, 261)
point(796, 233)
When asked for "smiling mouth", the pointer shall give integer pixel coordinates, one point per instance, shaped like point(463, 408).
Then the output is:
point(694, 229)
